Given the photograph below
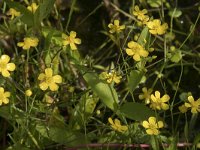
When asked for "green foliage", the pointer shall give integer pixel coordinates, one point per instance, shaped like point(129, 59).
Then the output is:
point(136, 111)
point(73, 76)
point(106, 92)
point(134, 79)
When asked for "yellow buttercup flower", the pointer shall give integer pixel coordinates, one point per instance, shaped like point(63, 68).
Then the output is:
point(13, 13)
point(28, 92)
point(158, 102)
point(111, 77)
point(5, 67)
point(183, 108)
point(28, 43)
point(71, 40)
point(116, 27)
point(4, 96)
point(116, 125)
point(136, 50)
point(140, 14)
point(155, 27)
point(33, 7)
point(146, 95)
point(48, 80)
point(152, 126)
point(194, 105)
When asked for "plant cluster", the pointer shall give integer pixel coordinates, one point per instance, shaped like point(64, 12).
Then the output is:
point(131, 89)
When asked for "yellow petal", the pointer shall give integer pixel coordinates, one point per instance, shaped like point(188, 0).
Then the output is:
point(194, 110)
point(5, 100)
point(7, 94)
point(77, 41)
point(73, 46)
point(130, 52)
point(144, 53)
point(26, 46)
point(157, 94)
point(187, 105)
point(1, 90)
point(131, 44)
point(152, 120)
point(20, 44)
point(43, 86)
point(64, 36)
point(145, 124)
point(160, 124)
point(136, 57)
point(144, 89)
point(41, 76)
point(65, 42)
point(5, 58)
point(122, 27)
point(149, 131)
point(124, 128)
point(10, 66)
point(153, 98)
point(53, 87)
point(191, 99)
point(110, 121)
point(57, 79)
point(110, 25)
point(5, 73)
point(117, 122)
point(48, 72)
point(141, 96)
point(164, 106)
point(73, 34)
point(116, 22)
point(165, 98)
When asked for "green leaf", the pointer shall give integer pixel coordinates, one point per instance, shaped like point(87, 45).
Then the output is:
point(62, 135)
point(27, 16)
point(134, 79)
point(106, 92)
point(175, 13)
point(56, 37)
point(5, 112)
point(154, 3)
point(43, 10)
point(176, 56)
point(136, 111)
point(142, 40)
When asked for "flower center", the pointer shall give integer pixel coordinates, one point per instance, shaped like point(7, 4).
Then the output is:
point(71, 40)
point(3, 66)
point(152, 126)
point(49, 80)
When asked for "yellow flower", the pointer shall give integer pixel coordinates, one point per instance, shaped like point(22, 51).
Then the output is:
point(28, 92)
point(152, 126)
point(159, 103)
point(140, 14)
point(116, 125)
point(136, 50)
point(116, 27)
point(28, 43)
point(4, 96)
point(5, 67)
point(71, 40)
point(48, 80)
point(183, 108)
point(146, 95)
point(13, 13)
point(111, 77)
point(32, 7)
point(155, 27)
point(194, 105)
